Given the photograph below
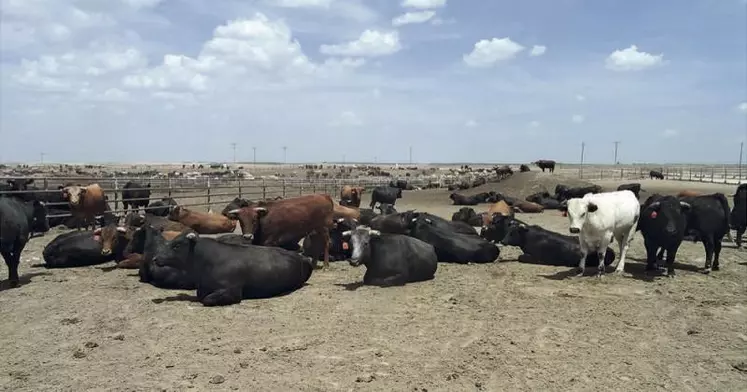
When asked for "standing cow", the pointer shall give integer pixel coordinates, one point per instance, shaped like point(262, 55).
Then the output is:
point(86, 202)
point(738, 217)
point(546, 164)
point(351, 196)
point(663, 222)
point(385, 194)
point(597, 218)
point(136, 195)
point(18, 220)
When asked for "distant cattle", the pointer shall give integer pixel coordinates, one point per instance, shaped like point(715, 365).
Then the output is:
point(663, 222)
point(437, 221)
point(451, 246)
point(528, 207)
point(18, 221)
point(545, 164)
point(351, 196)
point(738, 216)
point(656, 174)
point(541, 246)
point(202, 223)
point(597, 218)
point(136, 195)
point(633, 187)
point(524, 168)
point(461, 200)
point(86, 202)
point(391, 259)
point(384, 194)
point(227, 273)
point(563, 192)
point(503, 172)
point(708, 218)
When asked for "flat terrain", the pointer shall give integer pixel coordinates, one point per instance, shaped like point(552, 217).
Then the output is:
point(499, 327)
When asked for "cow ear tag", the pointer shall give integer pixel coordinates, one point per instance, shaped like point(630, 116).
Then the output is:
point(345, 246)
point(654, 215)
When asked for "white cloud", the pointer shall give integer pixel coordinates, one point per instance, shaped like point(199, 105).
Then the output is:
point(413, 18)
point(538, 50)
point(742, 107)
point(671, 132)
point(346, 119)
point(301, 3)
point(487, 53)
point(631, 59)
point(534, 124)
point(580, 98)
point(578, 119)
point(371, 43)
point(138, 4)
point(423, 4)
point(471, 124)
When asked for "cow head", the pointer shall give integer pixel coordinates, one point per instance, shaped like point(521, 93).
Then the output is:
point(110, 235)
point(496, 227)
point(360, 240)
point(578, 210)
point(74, 194)
point(177, 213)
point(515, 235)
point(249, 219)
point(664, 215)
point(174, 253)
point(40, 221)
point(20, 184)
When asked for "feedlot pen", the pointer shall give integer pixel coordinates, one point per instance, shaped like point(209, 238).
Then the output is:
point(504, 326)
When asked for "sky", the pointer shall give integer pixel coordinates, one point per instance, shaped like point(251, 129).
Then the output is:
point(365, 80)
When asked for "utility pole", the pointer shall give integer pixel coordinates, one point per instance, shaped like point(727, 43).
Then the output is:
point(343, 159)
point(411, 155)
point(615, 162)
point(285, 150)
point(581, 166)
point(41, 155)
point(233, 146)
point(741, 150)
point(254, 156)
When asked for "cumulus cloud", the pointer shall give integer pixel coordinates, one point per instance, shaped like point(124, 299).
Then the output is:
point(631, 59)
point(371, 43)
point(413, 18)
point(301, 3)
point(538, 50)
point(487, 53)
point(578, 119)
point(424, 4)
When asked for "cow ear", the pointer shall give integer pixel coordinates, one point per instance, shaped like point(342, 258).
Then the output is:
point(261, 211)
point(592, 207)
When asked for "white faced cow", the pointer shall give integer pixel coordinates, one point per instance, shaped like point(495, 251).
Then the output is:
point(597, 218)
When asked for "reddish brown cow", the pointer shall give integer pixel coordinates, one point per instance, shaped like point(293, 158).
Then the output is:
point(86, 202)
point(341, 211)
point(528, 207)
point(687, 193)
point(134, 260)
point(501, 208)
point(351, 196)
point(287, 221)
point(202, 223)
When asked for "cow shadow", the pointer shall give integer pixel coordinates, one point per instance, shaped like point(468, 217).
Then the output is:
point(22, 280)
point(567, 274)
point(181, 297)
point(350, 286)
point(638, 269)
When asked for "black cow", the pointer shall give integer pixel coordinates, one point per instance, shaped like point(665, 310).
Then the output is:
point(564, 192)
point(708, 219)
point(79, 249)
point(135, 195)
point(225, 274)
point(541, 246)
point(537, 197)
point(656, 174)
point(479, 181)
point(738, 216)
point(339, 249)
point(387, 209)
point(545, 164)
point(662, 222)
point(161, 207)
point(524, 168)
point(468, 216)
point(20, 185)
point(367, 215)
point(391, 259)
point(550, 203)
point(148, 241)
point(393, 224)
point(452, 246)
point(401, 184)
point(235, 204)
point(498, 227)
point(385, 194)
point(634, 187)
point(455, 226)
point(461, 200)
point(503, 172)
point(18, 220)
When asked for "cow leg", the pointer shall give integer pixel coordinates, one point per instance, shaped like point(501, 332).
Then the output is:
point(373, 203)
point(671, 254)
point(12, 262)
point(325, 237)
point(582, 262)
point(651, 256)
point(221, 297)
point(660, 255)
point(716, 255)
point(708, 244)
point(624, 246)
point(740, 233)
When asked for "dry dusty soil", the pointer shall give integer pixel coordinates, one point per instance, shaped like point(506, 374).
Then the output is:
point(499, 327)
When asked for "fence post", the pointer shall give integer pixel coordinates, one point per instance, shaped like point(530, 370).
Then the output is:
point(116, 194)
point(601, 174)
point(621, 173)
point(724, 174)
point(284, 188)
point(208, 194)
point(264, 190)
point(46, 184)
point(713, 170)
point(169, 185)
point(300, 190)
point(240, 193)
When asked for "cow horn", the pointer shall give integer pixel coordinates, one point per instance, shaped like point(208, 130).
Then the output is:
point(191, 236)
point(97, 231)
point(413, 219)
point(260, 209)
point(686, 205)
point(233, 212)
point(374, 233)
point(340, 220)
point(121, 229)
point(428, 220)
point(346, 233)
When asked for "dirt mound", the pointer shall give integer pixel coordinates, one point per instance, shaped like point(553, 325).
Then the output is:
point(524, 184)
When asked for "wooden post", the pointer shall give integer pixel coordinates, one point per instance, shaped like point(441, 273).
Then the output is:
point(240, 193)
point(264, 189)
point(116, 194)
point(284, 188)
point(208, 194)
point(169, 185)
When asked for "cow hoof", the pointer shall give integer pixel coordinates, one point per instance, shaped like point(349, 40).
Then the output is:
point(670, 275)
point(707, 271)
point(13, 284)
point(716, 268)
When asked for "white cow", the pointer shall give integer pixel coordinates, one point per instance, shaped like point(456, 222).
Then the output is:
point(597, 218)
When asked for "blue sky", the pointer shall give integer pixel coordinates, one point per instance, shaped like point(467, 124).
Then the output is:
point(459, 81)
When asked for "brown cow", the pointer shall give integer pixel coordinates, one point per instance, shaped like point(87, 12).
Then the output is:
point(341, 211)
point(351, 196)
point(528, 207)
point(688, 193)
point(501, 208)
point(202, 223)
point(287, 221)
point(86, 202)
point(133, 260)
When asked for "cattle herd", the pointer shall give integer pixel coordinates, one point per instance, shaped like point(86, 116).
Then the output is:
point(167, 242)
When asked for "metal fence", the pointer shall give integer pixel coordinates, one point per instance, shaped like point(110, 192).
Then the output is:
point(721, 174)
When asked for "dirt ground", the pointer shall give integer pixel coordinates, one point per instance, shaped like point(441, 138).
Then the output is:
point(500, 327)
